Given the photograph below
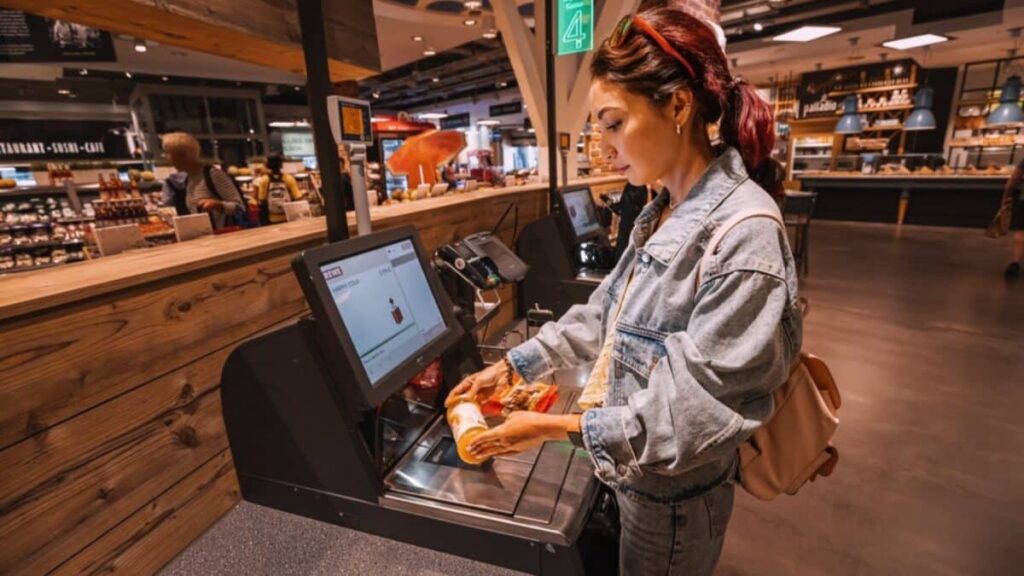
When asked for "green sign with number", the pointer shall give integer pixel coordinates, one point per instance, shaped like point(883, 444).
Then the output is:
point(575, 26)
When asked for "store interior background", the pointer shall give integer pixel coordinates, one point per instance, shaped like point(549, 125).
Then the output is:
point(900, 503)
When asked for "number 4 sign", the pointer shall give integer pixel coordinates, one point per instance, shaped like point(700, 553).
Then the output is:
point(575, 26)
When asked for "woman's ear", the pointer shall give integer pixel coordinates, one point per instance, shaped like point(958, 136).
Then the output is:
point(682, 106)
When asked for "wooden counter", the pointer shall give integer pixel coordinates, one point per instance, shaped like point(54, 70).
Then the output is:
point(112, 445)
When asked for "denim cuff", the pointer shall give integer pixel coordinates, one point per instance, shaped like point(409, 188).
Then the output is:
point(604, 435)
point(528, 361)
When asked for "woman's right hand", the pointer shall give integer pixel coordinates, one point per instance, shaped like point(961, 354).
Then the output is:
point(484, 380)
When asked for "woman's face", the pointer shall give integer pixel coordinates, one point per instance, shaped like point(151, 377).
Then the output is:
point(638, 138)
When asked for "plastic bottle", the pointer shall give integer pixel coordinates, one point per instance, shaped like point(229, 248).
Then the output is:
point(466, 422)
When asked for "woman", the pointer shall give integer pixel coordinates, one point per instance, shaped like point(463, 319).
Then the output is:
point(687, 370)
point(1012, 199)
point(205, 188)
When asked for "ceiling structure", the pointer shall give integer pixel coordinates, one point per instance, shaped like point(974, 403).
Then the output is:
point(865, 23)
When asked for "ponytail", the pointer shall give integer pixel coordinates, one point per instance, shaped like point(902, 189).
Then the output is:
point(749, 126)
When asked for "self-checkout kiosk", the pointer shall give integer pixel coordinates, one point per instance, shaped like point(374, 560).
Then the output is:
point(568, 253)
point(322, 423)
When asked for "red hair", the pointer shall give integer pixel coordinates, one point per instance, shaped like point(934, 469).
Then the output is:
point(640, 65)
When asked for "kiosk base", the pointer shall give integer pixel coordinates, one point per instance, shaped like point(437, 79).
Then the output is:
point(299, 448)
point(552, 282)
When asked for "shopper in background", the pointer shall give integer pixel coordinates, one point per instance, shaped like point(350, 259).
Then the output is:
point(684, 363)
point(1012, 198)
point(275, 189)
point(220, 202)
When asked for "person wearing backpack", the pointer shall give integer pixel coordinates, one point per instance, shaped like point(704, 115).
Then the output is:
point(202, 188)
point(688, 345)
point(274, 190)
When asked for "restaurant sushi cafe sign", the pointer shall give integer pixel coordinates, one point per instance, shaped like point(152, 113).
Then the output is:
point(62, 140)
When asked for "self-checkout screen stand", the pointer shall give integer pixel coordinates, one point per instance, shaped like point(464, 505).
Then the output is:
point(350, 124)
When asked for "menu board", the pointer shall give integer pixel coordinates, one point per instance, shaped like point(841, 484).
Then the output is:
point(30, 38)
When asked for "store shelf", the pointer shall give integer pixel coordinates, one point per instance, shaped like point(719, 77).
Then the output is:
point(88, 188)
point(883, 128)
point(989, 146)
point(873, 90)
point(881, 109)
point(829, 145)
point(811, 156)
point(36, 245)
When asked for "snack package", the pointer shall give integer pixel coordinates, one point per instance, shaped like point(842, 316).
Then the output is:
point(520, 395)
point(430, 378)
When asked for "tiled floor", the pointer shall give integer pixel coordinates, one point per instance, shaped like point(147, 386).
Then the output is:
point(926, 340)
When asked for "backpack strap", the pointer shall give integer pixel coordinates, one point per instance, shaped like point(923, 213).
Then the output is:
point(725, 228)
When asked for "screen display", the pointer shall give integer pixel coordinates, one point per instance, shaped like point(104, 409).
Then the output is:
point(582, 212)
point(386, 305)
point(355, 121)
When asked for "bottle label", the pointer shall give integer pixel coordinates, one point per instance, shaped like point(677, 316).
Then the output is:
point(465, 416)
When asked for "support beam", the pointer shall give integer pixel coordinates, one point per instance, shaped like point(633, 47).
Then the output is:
point(264, 32)
point(521, 53)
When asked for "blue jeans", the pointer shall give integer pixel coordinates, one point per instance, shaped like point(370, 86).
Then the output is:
point(681, 539)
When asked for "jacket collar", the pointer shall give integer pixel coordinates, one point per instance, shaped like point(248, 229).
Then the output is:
point(723, 175)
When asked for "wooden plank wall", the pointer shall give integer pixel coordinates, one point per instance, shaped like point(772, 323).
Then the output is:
point(113, 454)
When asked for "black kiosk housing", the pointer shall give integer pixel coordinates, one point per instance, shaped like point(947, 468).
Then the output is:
point(322, 424)
point(568, 253)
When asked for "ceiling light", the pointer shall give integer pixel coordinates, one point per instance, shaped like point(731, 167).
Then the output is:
point(501, 84)
point(433, 115)
point(83, 72)
point(164, 78)
point(298, 88)
point(282, 124)
point(375, 94)
point(491, 34)
point(915, 41)
point(489, 122)
point(1009, 112)
point(807, 33)
point(758, 26)
point(377, 119)
point(429, 51)
point(435, 79)
point(531, 130)
point(417, 38)
point(128, 75)
point(140, 45)
point(473, 4)
point(469, 22)
point(63, 91)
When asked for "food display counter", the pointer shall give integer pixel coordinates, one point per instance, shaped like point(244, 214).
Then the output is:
point(968, 200)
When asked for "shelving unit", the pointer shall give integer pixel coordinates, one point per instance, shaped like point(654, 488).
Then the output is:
point(981, 89)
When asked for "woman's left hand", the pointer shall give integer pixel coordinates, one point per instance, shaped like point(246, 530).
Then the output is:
point(522, 431)
point(210, 205)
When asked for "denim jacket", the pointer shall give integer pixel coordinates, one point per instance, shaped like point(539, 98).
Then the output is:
point(692, 368)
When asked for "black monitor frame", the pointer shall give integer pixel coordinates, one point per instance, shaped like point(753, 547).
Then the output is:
point(599, 234)
point(335, 340)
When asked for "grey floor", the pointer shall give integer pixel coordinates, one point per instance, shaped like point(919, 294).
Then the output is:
point(926, 340)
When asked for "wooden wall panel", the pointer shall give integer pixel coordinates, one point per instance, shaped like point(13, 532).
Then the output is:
point(54, 367)
point(59, 518)
point(155, 534)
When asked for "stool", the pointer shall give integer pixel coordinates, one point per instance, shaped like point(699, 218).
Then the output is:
point(797, 212)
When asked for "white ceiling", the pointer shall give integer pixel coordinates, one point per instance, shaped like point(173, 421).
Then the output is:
point(978, 38)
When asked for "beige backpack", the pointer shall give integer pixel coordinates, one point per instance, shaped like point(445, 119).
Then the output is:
point(795, 444)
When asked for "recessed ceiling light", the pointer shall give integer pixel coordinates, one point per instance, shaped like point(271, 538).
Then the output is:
point(281, 124)
point(435, 79)
point(491, 34)
point(297, 88)
point(375, 94)
point(63, 91)
point(140, 45)
point(417, 38)
point(433, 115)
point(429, 51)
point(377, 119)
point(164, 78)
point(501, 84)
point(807, 33)
point(83, 72)
point(915, 41)
point(128, 75)
point(758, 26)
point(469, 22)
point(473, 4)
point(489, 122)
